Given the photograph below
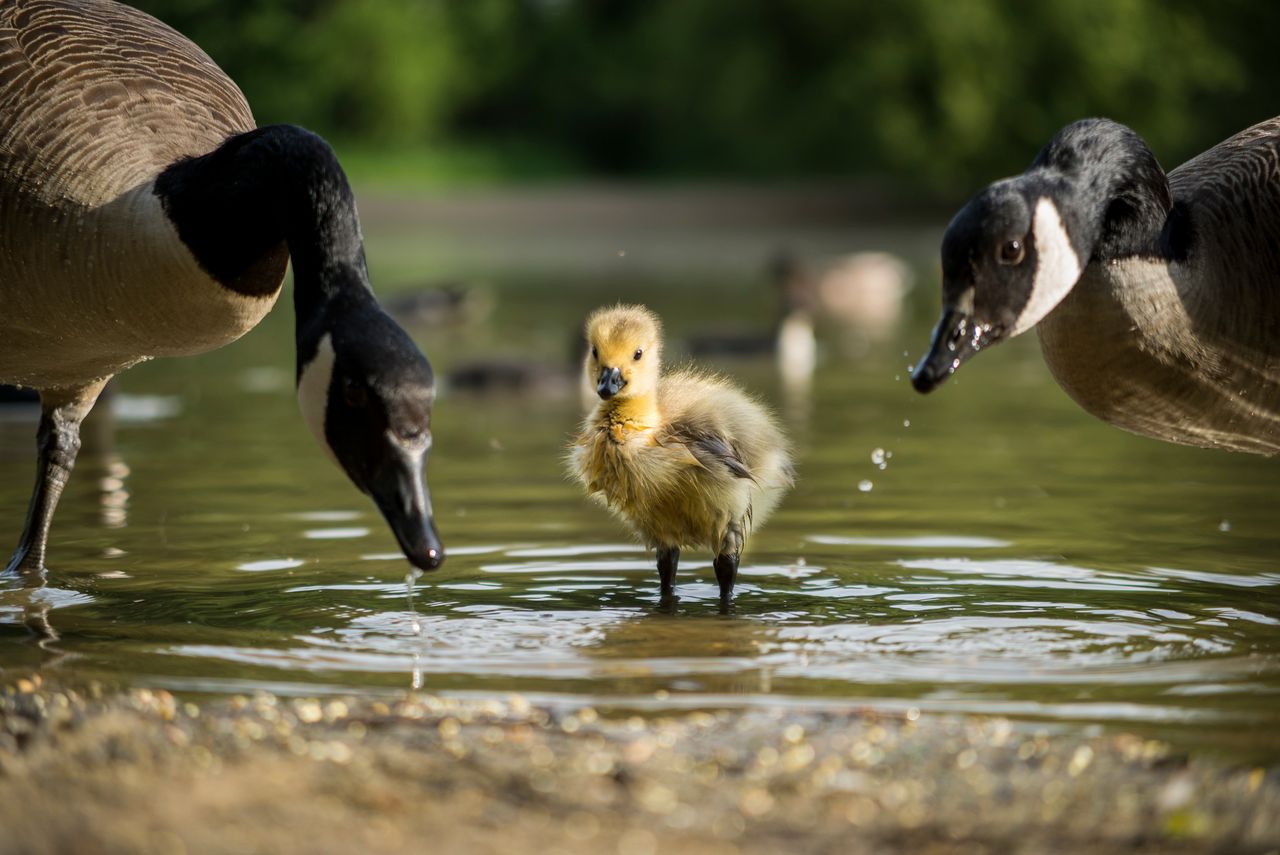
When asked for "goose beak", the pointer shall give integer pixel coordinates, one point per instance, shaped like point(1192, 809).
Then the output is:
point(955, 339)
point(610, 382)
point(400, 492)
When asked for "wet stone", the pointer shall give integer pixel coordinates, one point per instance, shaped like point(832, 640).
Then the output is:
point(503, 774)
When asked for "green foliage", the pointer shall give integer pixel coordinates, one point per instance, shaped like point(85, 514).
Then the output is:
point(939, 93)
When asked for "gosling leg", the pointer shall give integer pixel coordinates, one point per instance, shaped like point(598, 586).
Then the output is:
point(57, 442)
point(726, 563)
point(668, 558)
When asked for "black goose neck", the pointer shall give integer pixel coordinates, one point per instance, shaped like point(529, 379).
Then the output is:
point(1114, 185)
point(277, 184)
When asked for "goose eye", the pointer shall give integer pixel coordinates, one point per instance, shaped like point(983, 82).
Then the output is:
point(595, 354)
point(639, 353)
point(411, 434)
point(354, 394)
point(1011, 252)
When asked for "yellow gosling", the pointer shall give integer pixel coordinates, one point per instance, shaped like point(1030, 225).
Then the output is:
point(685, 459)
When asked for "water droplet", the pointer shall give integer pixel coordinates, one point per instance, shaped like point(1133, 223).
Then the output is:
point(877, 456)
point(864, 486)
point(897, 377)
point(1225, 525)
point(906, 422)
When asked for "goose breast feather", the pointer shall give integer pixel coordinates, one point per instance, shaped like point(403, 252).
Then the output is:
point(96, 100)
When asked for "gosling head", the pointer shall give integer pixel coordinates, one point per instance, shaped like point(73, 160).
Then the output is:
point(624, 351)
point(366, 392)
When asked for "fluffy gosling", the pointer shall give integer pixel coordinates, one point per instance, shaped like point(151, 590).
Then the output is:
point(684, 459)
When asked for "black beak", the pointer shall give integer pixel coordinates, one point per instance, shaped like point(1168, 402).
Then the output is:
point(954, 340)
point(400, 491)
point(610, 382)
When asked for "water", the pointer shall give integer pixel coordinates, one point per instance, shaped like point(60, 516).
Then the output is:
point(989, 548)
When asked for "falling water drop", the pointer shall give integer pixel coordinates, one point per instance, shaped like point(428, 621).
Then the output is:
point(864, 486)
point(1225, 525)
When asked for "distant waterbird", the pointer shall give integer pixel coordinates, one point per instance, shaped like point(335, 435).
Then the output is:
point(685, 459)
point(1156, 297)
point(143, 215)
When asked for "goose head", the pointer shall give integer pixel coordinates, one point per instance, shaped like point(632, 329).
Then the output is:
point(366, 391)
point(1012, 254)
point(624, 351)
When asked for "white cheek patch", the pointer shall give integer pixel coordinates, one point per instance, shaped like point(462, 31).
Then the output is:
point(313, 392)
point(1057, 266)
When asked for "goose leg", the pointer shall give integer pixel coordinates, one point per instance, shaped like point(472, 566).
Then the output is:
point(668, 558)
point(726, 563)
point(58, 442)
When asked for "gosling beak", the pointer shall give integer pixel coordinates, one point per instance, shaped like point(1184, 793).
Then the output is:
point(400, 492)
point(955, 339)
point(610, 382)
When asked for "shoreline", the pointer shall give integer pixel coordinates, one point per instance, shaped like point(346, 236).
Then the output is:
point(140, 770)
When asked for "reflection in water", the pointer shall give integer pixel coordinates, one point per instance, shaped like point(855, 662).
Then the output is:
point(1036, 565)
point(583, 618)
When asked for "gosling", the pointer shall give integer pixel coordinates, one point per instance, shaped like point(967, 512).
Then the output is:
point(684, 459)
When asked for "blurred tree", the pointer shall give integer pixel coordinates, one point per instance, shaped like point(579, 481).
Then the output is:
point(939, 93)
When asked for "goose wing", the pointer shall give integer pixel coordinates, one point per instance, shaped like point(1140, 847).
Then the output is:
point(96, 97)
point(1226, 226)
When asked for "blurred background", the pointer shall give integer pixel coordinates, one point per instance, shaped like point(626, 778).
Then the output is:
point(928, 96)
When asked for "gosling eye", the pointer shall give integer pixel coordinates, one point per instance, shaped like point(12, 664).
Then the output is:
point(639, 353)
point(354, 394)
point(1010, 252)
point(595, 354)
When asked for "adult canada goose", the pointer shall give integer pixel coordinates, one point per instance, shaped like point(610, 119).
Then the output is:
point(142, 215)
point(1157, 298)
point(683, 458)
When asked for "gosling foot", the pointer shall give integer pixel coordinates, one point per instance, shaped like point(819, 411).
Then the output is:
point(668, 559)
point(726, 565)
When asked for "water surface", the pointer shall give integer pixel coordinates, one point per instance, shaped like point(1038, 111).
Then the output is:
point(989, 548)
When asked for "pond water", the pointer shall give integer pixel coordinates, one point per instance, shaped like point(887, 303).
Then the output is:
point(989, 548)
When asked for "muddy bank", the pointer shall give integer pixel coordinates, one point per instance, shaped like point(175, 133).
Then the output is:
point(142, 771)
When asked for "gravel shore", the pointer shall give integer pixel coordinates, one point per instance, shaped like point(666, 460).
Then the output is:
point(95, 770)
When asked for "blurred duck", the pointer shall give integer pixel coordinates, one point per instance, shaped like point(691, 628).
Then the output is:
point(518, 374)
point(685, 459)
point(445, 304)
point(862, 291)
point(790, 341)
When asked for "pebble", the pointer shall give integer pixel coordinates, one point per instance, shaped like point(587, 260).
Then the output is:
point(587, 781)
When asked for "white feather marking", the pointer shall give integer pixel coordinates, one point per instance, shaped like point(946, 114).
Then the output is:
point(1057, 266)
point(313, 392)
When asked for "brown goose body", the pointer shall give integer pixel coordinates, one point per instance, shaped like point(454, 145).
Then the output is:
point(96, 99)
point(1188, 350)
point(1156, 297)
point(143, 215)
